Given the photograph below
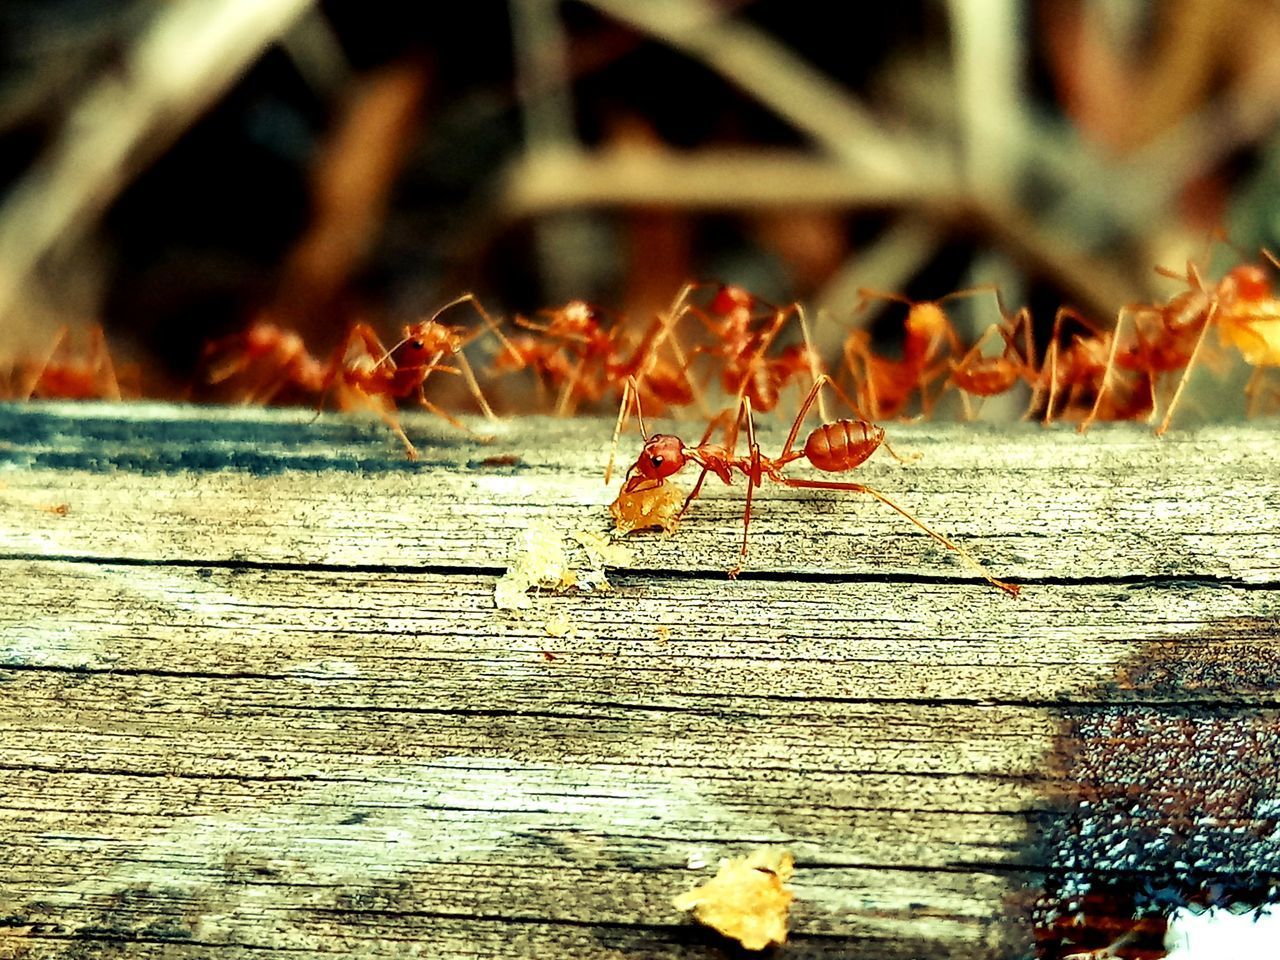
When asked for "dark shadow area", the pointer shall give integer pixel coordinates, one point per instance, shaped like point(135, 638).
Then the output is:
point(1165, 806)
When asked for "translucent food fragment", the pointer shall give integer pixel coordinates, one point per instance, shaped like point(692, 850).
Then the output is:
point(648, 508)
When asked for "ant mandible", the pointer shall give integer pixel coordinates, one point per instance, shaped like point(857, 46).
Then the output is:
point(833, 447)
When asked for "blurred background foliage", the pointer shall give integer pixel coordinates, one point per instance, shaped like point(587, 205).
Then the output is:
point(173, 169)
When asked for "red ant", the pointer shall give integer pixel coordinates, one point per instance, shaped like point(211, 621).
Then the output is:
point(374, 377)
point(885, 385)
point(62, 376)
point(1171, 336)
point(604, 358)
point(1079, 368)
point(733, 317)
point(981, 376)
point(1247, 315)
point(833, 447)
point(278, 357)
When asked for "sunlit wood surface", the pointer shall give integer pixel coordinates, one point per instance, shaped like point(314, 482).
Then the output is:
point(254, 692)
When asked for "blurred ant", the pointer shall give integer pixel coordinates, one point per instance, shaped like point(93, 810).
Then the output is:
point(61, 375)
point(884, 385)
point(977, 375)
point(604, 358)
point(1246, 313)
point(371, 376)
point(833, 447)
point(278, 357)
point(1078, 368)
point(1171, 336)
point(743, 328)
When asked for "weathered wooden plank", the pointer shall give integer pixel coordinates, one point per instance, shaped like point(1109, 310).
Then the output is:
point(265, 703)
point(267, 486)
point(669, 642)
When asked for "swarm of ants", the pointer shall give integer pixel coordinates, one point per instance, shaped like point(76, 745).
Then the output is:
point(721, 341)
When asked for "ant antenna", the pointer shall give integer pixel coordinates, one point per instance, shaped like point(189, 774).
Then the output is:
point(814, 365)
point(630, 392)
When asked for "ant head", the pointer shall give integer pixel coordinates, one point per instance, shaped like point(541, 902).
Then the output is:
point(1247, 282)
point(729, 298)
point(926, 319)
point(423, 340)
point(263, 335)
point(577, 317)
point(662, 456)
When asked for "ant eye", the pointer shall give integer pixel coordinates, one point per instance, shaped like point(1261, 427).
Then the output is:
point(416, 344)
point(656, 461)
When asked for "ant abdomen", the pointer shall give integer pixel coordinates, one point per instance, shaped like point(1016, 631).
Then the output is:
point(842, 445)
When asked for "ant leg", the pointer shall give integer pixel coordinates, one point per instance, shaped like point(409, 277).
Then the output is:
point(812, 356)
point(1053, 385)
point(59, 340)
point(865, 295)
point(753, 481)
point(563, 408)
point(1186, 371)
point(390, 419)
point(974, 292)
point(474, 386)
point(492, 327)
point(702, 475)
point(1107, 371)
point(1009, 588)
point(450, 418)
point(684, 360)
point(855, 352)
point(1252, 391)
point(804, 411)
point(102, 363)
point(628, 391)
point(1051, 355)
point(697, 488)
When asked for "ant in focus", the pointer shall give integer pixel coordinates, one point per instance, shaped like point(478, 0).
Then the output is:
point(833, 447)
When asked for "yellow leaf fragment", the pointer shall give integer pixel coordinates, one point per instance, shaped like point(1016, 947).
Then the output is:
point(746, 900)
point(652, 508)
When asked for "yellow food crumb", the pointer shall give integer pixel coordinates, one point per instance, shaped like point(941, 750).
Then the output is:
point(559, 625)
point(655, 507)
point(544, 559)
point(746, 900)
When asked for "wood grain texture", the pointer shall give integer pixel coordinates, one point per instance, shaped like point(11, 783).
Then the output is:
point(255, 697)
